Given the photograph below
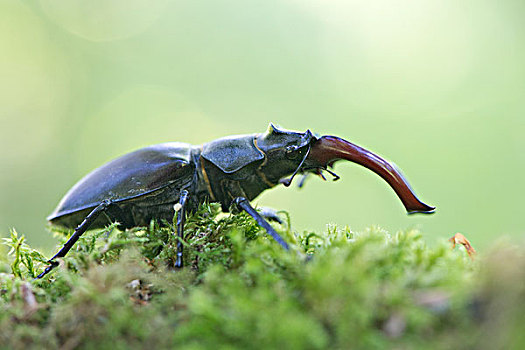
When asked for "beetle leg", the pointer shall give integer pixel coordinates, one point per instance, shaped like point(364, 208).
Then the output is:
point(303, 180)
point(244, 204)
point(102, 207)
point(180, 226)
point(270, 214)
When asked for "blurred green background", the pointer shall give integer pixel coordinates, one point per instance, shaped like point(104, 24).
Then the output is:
point(436, 86)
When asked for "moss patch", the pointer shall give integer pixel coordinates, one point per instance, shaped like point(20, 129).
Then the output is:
point(240, 289)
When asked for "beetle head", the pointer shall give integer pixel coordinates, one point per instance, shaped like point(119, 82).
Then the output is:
point(277, 139)
point(285, 151)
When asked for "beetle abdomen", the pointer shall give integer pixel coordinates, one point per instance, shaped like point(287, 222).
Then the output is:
point(127, 178)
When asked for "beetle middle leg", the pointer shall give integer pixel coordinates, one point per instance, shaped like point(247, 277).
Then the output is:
point(245, 205)
point(180, 226)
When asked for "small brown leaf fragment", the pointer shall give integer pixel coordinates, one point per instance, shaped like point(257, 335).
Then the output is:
point(458, 238)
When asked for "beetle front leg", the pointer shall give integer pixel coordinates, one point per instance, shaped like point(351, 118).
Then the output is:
point(79, 231)
point(180, 226)
point(245, 205)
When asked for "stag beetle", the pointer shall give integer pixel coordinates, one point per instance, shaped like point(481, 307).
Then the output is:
point(155, 181)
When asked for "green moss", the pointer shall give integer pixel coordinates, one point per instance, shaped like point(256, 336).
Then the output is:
point(240, 289)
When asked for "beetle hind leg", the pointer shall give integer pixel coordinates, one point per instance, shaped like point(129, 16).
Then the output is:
point(79, 231)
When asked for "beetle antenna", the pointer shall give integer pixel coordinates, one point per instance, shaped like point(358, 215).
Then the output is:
point(336, 177)
point(287, 182)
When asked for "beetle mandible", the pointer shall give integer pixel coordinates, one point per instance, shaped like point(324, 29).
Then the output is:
point(153, 182)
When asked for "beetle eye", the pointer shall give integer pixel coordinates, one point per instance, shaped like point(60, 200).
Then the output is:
point(291, 152)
